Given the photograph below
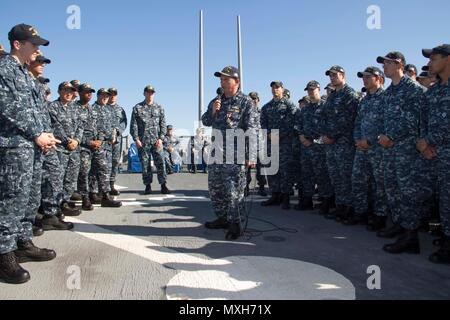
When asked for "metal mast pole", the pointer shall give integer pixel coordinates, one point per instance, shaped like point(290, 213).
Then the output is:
point(240, 53)
point(200, 96)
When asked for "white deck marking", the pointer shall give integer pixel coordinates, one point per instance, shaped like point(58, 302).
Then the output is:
point(239, 277)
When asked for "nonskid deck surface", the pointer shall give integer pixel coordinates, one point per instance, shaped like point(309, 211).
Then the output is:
point(155, 247)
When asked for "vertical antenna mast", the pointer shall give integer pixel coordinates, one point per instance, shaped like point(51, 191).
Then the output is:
point(200, 84)
point(240, 53)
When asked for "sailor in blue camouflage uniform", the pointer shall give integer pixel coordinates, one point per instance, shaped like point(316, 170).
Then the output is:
point(67, 127)
point(402, 101)
point(435, 145)
point(367, 176)
point(111, 124)
point(170, 143)
point(51, 196)
point(99, 175)
point(88, 144)
point(313, 158)
point(22, 142)
point(121, 126)
point(148, 129)
point(296, 166)
point(279, 114)
point(337, 133)
point(260, 178)
point(230, 113)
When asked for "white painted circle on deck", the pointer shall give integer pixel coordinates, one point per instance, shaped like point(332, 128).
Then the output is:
point(259, 278)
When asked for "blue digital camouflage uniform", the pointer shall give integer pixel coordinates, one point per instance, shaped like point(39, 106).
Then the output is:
point(107, 116)
point(297, 152)
point(121, 122)
point(402, 105)
point(148, 124)
point(52, 174)
point(438, 135)
point(313, 158)
point(367, 175)
point(169, 141)
point(260, 177)
point(429, 187)
point(280, 115)
point(66, 126)
point(227, 181)
point(90, 159)
point(101, 166)
point(339, 114)
point(21, 123)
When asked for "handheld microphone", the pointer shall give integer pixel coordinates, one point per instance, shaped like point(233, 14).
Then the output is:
point(219, 92)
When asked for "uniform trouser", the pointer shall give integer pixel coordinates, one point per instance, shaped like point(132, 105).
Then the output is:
point(167, 160)
point(443, 173)
point(226, 183)
point(94, 172)
point(70, 164)
point(20, 188)
point(297, 150)
point(401, 183)
point(368, 182)
point(52, 184)
point(115, 162)
point(340, 165)
point(431, 198)
point(259, 177)
point(315, 170)
point(282, 180)
point(97, 161)
point(361, 182)
point(145, 155)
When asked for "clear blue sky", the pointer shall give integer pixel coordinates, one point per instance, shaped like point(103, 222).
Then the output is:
point(129, 44)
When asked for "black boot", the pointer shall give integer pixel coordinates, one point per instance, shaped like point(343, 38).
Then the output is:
point(325, 206)
point(37, 228)
point(274, 200)
point(68, 211)
point(408, 242)
point(439, 241)
point(86, 204)
point(219, 223)
point(27, 252)
point(148, 189)
point(344, 214)
point(11, 271)
point(108, 202)
point(285, 201)
point(262, 191)
point(339, 212)
point(59, 215)
point(305, 204)
point(164, 189)
point(113, 191)
point(72, 204)
point(234, 232)
point(391, 232)
point(95, 198)
point(442, 256)
point(354, 219)
point(54, 223)
point(376, 223)
point(76, 196)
